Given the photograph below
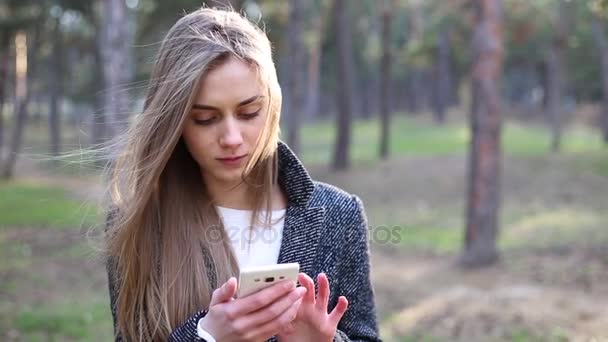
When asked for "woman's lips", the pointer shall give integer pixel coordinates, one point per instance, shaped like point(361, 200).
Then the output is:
point(232, 161)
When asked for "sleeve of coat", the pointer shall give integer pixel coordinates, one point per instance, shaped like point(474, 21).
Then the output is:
point(359, 322)
point(113, 295)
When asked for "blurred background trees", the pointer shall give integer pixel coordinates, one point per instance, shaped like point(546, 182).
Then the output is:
point(366, 85)
point(81, 67)
point(429, 40)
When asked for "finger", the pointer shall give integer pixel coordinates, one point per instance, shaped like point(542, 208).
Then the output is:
point(323, 295)
point(276, 316)
point(263, 298)
point(307, 282)
point(274, 310)
point(291, 327)
point(336, 314)
point(224, 292)
point(284, 323)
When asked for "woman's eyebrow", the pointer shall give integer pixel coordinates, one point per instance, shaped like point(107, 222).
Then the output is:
point(242, 103)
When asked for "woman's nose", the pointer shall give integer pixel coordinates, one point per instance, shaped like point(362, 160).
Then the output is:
point(231, 134)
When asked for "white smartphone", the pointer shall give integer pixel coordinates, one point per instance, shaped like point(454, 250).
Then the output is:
point(253, 279)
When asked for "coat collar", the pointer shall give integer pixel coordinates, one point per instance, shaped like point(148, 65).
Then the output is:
point(302, 227)
point(293, 177)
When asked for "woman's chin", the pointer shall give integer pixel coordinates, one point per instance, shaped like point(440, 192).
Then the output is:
point(229, 177)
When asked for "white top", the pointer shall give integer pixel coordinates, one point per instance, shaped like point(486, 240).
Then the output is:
point(253, 247)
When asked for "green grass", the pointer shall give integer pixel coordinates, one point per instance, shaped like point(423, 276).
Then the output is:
point(436, 239)
point(410, 136)
point(525, 335)
point(601, 165)
point(37, 205)
point(88, 319)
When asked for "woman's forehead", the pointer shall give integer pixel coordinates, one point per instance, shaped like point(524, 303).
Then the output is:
point(230, 83)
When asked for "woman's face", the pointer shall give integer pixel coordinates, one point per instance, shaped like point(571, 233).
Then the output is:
point(228, 115)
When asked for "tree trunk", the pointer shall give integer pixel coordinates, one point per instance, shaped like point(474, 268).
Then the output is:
point(56, 88)
point(99, 131)
point(411, 81)
point(554, 86)
point(314, 66)
point(442, 78)
point(116, 42)
point(416, 81)
point(366, 100)
point(555, 81)
point(341, 158)
point(31, 45)
point(399, 103)
point(385, 74)
point(298, 73)
point(4, 61)
point(418, 89)
point(485, 153)
point(455, 77)
point(602, 42)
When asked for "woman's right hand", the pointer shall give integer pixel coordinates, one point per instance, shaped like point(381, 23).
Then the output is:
point(256, 317)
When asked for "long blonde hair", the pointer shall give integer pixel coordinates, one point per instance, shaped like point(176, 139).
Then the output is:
point(166, 239)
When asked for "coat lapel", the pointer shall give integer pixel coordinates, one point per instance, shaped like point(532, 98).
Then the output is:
point(303, 223)
point(301, 233)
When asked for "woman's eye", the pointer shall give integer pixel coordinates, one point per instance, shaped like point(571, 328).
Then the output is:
point(205, 122)
point(249, 116)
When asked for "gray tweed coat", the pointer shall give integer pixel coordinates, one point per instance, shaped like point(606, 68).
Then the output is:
point(325, 230)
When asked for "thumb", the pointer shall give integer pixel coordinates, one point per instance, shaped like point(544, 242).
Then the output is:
point(224, 292)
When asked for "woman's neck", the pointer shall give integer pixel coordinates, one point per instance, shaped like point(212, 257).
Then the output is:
point(239, 197)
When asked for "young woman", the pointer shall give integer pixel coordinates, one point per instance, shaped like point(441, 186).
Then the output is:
point(201, 180)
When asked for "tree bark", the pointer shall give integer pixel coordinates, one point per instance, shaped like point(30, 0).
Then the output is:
point(555, 81)
point(602, 42)
point(442, 77)
point(99, 132)
point(341, 158)
point(4, 61)
point(298, 73)
point(314, 67)
point(21, 114)
point(485, 153)
point(554, 91)
point(413, 80)
point(56, 89)
point(116, 42)
point(416, 81)
point(418, 89)
point(385, 74)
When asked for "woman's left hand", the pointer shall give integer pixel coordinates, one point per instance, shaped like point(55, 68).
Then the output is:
point(313, 323)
